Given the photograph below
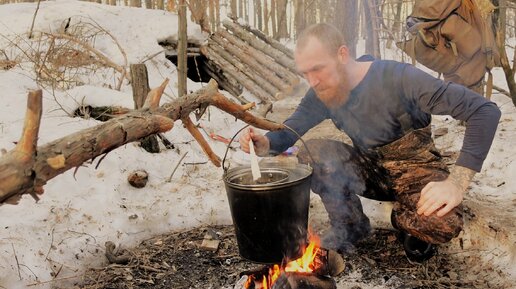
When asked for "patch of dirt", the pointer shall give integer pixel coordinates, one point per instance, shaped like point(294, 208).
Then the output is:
point(177, 261)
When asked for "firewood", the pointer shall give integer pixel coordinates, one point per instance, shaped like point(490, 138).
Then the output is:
point(295, 280)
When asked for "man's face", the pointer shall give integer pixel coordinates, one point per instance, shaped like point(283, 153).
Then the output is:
point(322, 69)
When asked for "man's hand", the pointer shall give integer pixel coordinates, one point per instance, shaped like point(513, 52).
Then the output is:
point(261, 142)
point(442, 197)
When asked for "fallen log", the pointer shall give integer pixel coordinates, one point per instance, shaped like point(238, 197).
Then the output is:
point(25, 169)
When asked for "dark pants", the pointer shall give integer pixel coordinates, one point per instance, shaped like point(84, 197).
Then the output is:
point(394, 172)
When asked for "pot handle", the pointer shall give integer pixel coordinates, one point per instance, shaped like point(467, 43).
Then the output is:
point(246, 126)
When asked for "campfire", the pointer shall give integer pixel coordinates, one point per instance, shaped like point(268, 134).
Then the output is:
point(312, 270)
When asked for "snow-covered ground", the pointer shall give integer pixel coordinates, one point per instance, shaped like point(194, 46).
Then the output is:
point(66, 230)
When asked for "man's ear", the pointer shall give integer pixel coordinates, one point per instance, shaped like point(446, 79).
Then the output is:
point(343, 54)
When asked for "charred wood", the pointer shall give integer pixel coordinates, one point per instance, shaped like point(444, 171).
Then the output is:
point(293, 280)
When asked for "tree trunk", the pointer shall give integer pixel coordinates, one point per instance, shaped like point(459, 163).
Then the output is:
point(213, 23)
point(181, 50)
point(135, 3)
point(346, 20)
point(148, 4)
point(266, 18)
point(500, 41)
point(273, 19)
point(371, 18)
point(234, 11)
point(160, 4)
point(140, 86)
point(258, 13)
point(281, 13)
point(299, 16)
point(26, 169)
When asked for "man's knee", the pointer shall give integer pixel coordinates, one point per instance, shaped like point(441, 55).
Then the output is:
point(431, 229)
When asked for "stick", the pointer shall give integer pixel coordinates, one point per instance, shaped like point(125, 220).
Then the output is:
point(17, 263)
point(175, 168)
point(33, 20)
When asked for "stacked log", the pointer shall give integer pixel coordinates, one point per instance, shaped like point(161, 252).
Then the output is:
point(245, 56)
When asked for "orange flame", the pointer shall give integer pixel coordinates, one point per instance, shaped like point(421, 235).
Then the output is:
point(303, 264)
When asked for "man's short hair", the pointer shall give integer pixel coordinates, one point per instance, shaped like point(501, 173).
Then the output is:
point(327, 34)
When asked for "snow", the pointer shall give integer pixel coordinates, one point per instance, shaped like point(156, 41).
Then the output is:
point(82, 209)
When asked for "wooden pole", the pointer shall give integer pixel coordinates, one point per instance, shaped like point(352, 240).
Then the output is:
point(261, 57)
point(181, 50)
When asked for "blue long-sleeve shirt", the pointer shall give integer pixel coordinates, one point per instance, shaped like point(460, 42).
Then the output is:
point(394, 98)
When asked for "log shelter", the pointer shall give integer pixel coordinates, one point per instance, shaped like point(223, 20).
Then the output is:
point(238, 56)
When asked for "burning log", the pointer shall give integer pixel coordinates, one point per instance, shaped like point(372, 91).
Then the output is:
point(296, 280)
point(312, 271)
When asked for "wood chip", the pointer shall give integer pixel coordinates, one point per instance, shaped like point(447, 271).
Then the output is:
point(210, 245)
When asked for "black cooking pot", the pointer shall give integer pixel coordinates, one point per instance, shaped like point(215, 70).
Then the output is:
point(270, 215)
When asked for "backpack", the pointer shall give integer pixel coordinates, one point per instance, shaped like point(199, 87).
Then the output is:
point(452, 37)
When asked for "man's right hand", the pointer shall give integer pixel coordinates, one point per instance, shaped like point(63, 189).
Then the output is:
point(261, 142)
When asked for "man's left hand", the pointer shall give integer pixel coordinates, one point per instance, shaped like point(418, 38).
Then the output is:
point(442, 197)
point(439, 196)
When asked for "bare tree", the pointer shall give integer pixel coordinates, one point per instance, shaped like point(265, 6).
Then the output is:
point(346, 20)
point(501, 15)
point(281, 14)
point(299, 16)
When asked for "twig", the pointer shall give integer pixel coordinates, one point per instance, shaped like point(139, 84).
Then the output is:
point(53, 280)
point(177, 165)
point(501, 90)
point(17, 263)
point(151, 56)
point(51, 243)
point(33, 20)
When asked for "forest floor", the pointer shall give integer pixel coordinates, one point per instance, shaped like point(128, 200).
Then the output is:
point(176, 260)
